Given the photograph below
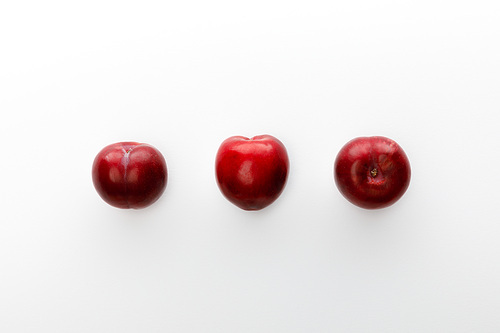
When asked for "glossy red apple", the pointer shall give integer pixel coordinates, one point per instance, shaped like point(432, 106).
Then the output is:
point(252, 173)
point(372, 172)
point(129, 174)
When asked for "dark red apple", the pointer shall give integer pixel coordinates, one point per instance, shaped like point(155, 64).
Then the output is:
point(372, 172)
point(252, 173)
point(129, 174)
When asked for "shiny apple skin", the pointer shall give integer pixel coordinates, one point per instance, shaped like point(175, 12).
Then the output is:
point(252, 173)
point(372, 172)
point(129, 174)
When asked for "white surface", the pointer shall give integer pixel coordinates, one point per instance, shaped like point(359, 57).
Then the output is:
point(185, 75)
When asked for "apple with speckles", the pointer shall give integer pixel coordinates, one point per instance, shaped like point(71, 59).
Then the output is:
point(372, 172)
point(252, 172)
point(129, 174)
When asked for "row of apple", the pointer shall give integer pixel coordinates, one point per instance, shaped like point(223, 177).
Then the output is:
point(370, 172)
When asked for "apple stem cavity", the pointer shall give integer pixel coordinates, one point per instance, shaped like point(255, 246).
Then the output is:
point(372, 172)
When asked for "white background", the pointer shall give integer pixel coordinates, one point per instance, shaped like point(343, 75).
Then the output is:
point(185, 75)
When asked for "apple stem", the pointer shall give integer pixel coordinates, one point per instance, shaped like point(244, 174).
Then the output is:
point(374, 172)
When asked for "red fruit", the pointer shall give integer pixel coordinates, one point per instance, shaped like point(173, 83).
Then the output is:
point(372, 172)
point(129, 174)
point(252, 173)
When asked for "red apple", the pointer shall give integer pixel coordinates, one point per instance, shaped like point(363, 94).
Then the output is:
point(129, 174)
point(252, 173)
point(372, 172)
